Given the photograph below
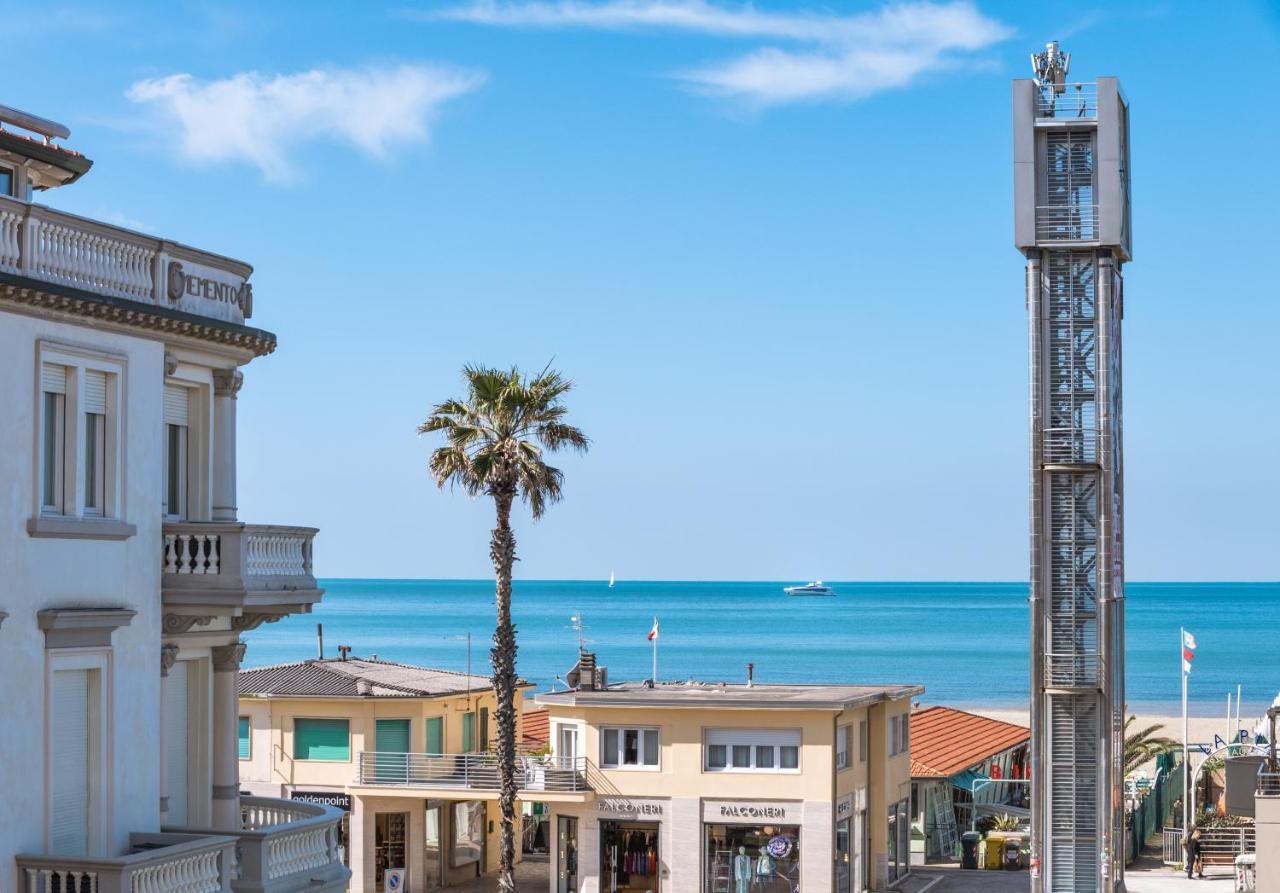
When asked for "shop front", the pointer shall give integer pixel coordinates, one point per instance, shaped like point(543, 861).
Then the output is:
point(751, 847)
point(431, 844)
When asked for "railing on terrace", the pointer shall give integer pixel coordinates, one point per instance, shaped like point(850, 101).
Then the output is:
point(284, 845)
point(156, 863)
point(233, 556)
point(1268, 783)
point(1076, 101)
point(1217, 845)
point(38, 242)
point(474, 771)
point(1067, 223)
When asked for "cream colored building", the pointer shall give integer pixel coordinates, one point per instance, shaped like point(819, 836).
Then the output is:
point(730, 788)
point(405, 750)
point(128, 577)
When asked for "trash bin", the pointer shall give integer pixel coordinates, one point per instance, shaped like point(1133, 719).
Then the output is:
point(1246, 872)
point(969, 849)
point(995, 850)
point(1012, 853)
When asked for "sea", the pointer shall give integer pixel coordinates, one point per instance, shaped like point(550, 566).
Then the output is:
point(967, 643)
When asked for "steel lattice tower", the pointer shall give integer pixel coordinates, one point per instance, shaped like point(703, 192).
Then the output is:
point(1071, 221)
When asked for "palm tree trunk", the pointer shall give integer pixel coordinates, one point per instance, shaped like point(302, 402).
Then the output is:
point(502, 551)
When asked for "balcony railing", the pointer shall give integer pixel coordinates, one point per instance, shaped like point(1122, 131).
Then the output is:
point(53, 246)
point(1066, 223)
point(472, 771)
point(212, 557)
point(283, 846)
point(155, 863)
point(1268, 783)
point(1075, 102)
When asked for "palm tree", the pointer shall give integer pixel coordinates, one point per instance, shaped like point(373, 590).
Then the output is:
point(496, 440)
point(1144, 744)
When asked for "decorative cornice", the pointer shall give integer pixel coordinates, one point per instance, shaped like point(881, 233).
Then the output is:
point(227, 382)
point(253, 621)
point(82, 627)
point(170, 363)
point(175, 624)
point(168, 654)
point(227, 658)
point(78, 302)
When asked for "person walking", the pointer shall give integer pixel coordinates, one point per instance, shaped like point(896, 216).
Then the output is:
point(1192, 846)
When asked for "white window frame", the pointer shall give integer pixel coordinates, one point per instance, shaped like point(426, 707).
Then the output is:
point(898, 734)
point(98, 662)
point(642, 734)
point(70, 489)
point(58, 470)
point(197, 450)
point(844, 746)
point(756, 740)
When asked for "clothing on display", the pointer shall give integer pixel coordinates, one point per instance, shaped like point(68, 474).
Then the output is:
point(630, 856)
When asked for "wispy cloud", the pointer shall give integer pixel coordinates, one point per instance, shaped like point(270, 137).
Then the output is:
point(828, 55)
point(262, 119)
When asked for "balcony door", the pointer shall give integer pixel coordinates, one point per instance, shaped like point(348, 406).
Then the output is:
point(567, 746)
point(432, 861)
point(391, 741)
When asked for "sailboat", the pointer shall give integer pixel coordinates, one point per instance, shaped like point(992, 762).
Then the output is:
point(610, 579)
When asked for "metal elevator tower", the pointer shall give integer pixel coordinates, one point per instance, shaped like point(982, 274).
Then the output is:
point(1071, 221)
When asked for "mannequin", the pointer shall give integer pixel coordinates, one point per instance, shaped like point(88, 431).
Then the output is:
point(742, 871)
point(765, 865)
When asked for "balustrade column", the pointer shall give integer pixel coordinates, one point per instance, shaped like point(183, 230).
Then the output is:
point(168, 654)
point(226, 384)
point(226, 737)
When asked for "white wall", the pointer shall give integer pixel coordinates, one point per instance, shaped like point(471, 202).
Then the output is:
point(44, 573)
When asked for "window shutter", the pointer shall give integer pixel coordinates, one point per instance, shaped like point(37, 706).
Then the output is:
point(435, 734)
point(468, 732)
point(69, 757)
point(244, 738)
point(53, 378)
point(391, 736)
point(175, 731)
point(95, 392)
point(321, 739)
point(176, 405)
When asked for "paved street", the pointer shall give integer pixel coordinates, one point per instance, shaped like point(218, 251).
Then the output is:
point(1144, 876)
point(531, 877)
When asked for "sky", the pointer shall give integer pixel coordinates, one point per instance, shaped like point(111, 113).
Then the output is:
point(771, 244)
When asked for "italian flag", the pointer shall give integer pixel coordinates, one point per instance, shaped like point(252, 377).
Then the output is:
point(1188, 650)
point(653, 633)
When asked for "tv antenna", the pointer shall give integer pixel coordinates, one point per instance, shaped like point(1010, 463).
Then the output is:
point(579, 628)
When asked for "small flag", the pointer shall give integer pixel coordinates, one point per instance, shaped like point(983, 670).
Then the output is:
point(1188, 640)
point(653, 633)
point(1188, 650)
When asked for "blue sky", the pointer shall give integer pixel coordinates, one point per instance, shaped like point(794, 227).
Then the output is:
point(771, 244)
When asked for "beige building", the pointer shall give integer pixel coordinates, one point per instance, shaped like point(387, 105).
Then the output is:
point(730, 788)
point(404, 750)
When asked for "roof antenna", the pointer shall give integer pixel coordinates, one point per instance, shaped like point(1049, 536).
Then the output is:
point(320, 640)
point(343, 651)
point(579, 628)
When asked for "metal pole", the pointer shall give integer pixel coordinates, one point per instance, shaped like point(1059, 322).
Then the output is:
point(1186, 750)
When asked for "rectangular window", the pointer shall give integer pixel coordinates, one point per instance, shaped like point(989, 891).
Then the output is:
point(752, 750)
point(484, 729)
point(6, 181)
point(78, 434)
point(177, 420)
point(898, 734)
point(864, 741)
point(468, 732)
point(95, 444)
point(53, 446)
point(844, 735)
point(244, 738)
point(321, 739)
point(391, 736)
point(629, 748)
point(435, 734)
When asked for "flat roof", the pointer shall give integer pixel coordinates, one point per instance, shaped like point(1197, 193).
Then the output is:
point(731, 696)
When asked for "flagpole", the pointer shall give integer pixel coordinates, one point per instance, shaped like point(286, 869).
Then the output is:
point(655, 652)
point(1186, 751)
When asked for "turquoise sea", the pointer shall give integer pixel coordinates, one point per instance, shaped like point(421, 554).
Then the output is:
point(966, 642)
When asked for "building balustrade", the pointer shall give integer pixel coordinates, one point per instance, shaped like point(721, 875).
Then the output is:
point(1075, 102)
point(41, 243)
point(473, 771)
point(170, 862)
point(217, 562)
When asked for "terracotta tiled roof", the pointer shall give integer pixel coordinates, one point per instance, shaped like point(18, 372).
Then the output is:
point(537, 728)
point(945, 741)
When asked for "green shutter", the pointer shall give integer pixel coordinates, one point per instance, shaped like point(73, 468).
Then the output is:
point(244, 737)
point(468, 732)
point(435, 734)
point(484, 728)
point(321, 739)
point(391, 736)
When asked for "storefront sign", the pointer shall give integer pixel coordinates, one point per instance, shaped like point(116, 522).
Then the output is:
point(844, 807)
point(626, 807)
point(324, 798)
point(749, 811)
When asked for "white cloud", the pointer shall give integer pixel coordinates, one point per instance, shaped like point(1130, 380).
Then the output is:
point(833, 56)
point(262, 119)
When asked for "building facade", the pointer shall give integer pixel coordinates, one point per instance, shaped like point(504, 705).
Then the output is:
point(128, 576)
point(404, 751)
point(730, 788)
point(1072, 224)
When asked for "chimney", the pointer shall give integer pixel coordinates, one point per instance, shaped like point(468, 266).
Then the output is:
point(364, 687)
point(343, 651)
point(586, 671)
point(751, 673)
point(320, 640)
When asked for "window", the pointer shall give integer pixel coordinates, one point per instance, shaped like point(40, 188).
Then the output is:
point(844, 740)
point(77, 415)
point(864, 741)
point(53, 437)
point(435, 734)
point(177, 421)
point(6, 181)
point(752, 750)
point(629, 748)
point(468, 732)
point(897, 732)
point(244, 738)
point(95, 441)
point(484, 729)
point(321, 739)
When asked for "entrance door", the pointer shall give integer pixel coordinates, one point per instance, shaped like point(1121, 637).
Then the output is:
point(389, 846)
point(629, 857)
point(432, 860)
point(864, 853)
point(567, 854)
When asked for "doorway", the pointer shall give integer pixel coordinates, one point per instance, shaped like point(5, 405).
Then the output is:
point(567, 854)
point(567, 746)
point(389, 845)
point(432, 855)
point(629, 857)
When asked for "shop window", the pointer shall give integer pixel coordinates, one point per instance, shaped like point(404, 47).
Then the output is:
point(467, 842)
point(752, 858)
point(629, 856)
point(629, 748)
point(321, 739)
point(389, 839)
point(844, 856)
point(748, 750)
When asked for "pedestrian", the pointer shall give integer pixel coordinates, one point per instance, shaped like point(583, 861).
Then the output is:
point(1191, 844)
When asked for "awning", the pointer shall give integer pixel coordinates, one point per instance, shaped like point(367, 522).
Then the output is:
point(967, 779)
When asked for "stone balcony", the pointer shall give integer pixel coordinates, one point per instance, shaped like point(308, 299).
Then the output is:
point(252, 572)
point(155, 863)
